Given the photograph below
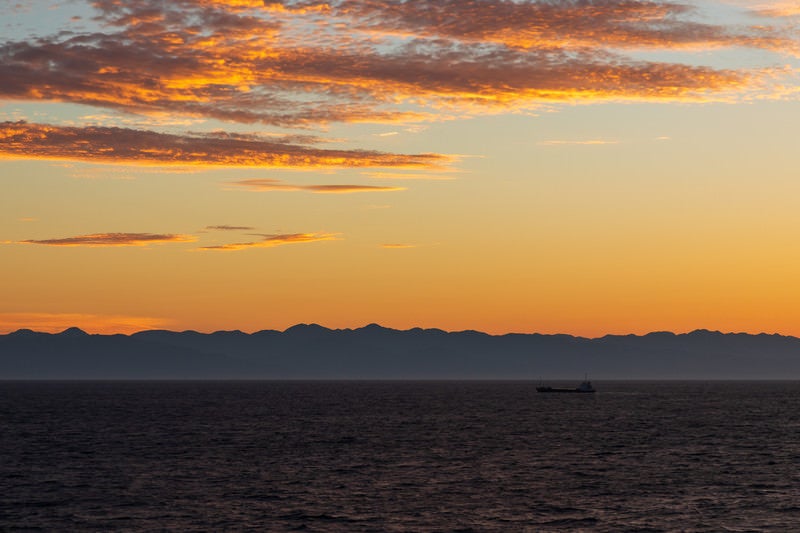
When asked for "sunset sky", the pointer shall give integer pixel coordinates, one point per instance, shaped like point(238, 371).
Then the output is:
point(577, 166)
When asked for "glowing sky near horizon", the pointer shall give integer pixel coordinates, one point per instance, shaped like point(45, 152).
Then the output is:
point(578, 166)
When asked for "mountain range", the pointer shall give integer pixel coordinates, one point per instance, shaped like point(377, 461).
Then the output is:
point(375, 352)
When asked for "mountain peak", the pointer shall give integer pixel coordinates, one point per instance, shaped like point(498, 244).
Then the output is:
point(24, 332)
point(373, 327)
point(305, 328)
point(74, 332)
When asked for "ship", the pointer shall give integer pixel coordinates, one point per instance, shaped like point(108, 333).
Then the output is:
point(585, 387)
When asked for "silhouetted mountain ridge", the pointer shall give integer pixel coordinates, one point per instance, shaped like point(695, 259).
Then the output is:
point(312, 351)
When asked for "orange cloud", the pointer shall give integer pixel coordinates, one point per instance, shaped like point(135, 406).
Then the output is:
point(775, 8)
point(307, 63)
point(271, 241)
point(122, 145)
point(265, 184)
point(562, 23)
point(99, 324)
point(113, 239)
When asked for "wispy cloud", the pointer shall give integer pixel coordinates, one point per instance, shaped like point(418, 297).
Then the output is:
point(398, 246)
point(264, 184)
point(775, 8)
point(588, 142)
point(270, 241)
point(407, 176)
point(122, 145)
point(225, 227)
point(113, 239)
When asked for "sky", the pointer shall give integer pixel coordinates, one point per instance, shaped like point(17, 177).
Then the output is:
point(587, 167)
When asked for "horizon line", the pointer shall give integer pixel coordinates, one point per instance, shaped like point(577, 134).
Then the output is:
point(373, 325)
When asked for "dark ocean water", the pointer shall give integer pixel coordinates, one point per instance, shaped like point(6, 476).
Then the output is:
point(399, 456)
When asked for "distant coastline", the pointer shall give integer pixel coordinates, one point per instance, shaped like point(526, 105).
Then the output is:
point(374, 352)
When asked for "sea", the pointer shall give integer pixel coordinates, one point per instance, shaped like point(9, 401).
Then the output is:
point(399, 456)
